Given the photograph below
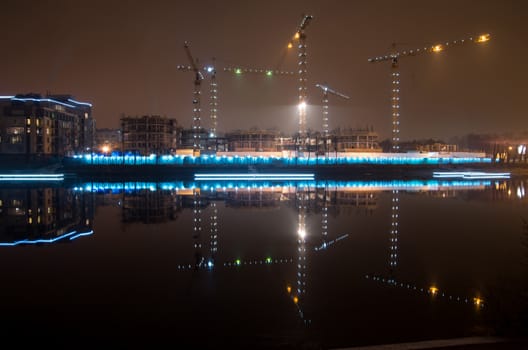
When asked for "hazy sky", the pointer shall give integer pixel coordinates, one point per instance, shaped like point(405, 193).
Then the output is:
point(122, 57)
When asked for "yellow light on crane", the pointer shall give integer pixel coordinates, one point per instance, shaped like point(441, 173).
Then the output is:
point(438, 48)
point(478, 301)
point(483, 38)
point(290, 45)
point(433, 290)
point(297, 36)
point(302, 106)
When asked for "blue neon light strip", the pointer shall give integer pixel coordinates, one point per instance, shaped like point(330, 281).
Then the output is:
point(80, 103)
point(184, 160)
point(471, 175)
point(253, 177)
point(31, 177)
point(25, 99)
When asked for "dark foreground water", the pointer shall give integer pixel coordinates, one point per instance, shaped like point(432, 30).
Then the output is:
point(253, 265)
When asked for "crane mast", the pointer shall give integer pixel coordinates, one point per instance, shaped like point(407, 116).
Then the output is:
point(198, 77)
point(214, 98)
point(327, 90)
point(394, 57)
point(301, 35)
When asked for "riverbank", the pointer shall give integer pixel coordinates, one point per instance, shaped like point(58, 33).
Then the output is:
point(339, 168)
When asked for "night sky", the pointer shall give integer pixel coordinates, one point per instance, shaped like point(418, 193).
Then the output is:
point(122, 57)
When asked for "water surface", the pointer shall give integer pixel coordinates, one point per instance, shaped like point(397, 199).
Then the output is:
point(262, 265)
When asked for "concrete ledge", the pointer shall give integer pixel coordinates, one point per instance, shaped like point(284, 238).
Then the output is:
point(435, 344)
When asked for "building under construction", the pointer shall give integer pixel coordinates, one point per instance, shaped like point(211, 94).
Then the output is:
point(356, 140)
point(253, 140)
point(149, 134)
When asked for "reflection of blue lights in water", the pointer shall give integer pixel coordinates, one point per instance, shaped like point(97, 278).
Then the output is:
point(397, 159)
point(325, 245)
point(230, 185)
point(82, 234)
point(72, 235)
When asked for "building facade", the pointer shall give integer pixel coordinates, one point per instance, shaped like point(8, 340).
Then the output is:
point(355, 140)
point(150, 134)
point(54, 125)
point(252, 140)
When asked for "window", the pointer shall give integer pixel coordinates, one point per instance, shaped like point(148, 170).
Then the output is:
point(14, 130)
point(15, 139)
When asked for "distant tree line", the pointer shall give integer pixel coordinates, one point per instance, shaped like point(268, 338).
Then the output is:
point(490, 143)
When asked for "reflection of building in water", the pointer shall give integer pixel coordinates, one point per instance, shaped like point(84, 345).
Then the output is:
point(330, 199)
point(347, 200)
point(498, 190)
point(43, 213)
point(108, 199)
point(254, 198)
point(150, 206)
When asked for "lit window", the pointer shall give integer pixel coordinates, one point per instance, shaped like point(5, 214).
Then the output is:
point(14, 139)
point(15, 130)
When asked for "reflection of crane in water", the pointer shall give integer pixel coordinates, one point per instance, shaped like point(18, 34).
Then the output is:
point(391, 280)
point(197, 229)
point(297, 290)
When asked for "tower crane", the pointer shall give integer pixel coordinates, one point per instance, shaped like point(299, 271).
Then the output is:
point(198, 77)
point(394, 57)
point(301, 36)
point(327, 90)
